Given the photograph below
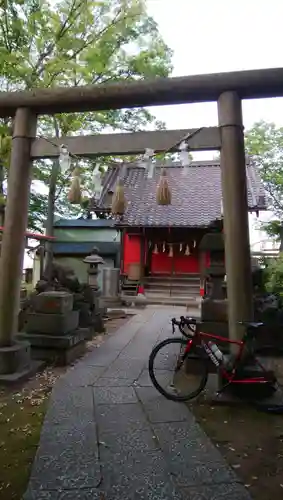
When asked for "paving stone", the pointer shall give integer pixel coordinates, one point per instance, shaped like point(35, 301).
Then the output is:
point(141, 477)
point(149, 448)
point(127, 416)
point(123, 440)
point(112, 382)
point(119, 342)
point(82, 494)
point(101, 356)
point(191, 456)
point(114, 395)
point(137, 351)
point(67, 458)
point(159, 409)
point(144, 379)
point(232, 491)
point(125, 368)
point(68, 405)
point(82, 376)
point(185, 439)
point(163, 376)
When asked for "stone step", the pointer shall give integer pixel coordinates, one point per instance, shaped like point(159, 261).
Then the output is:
point(178, 278)
point(163, 298)
point(173, 286)
point(159, 295)
point(174, 301)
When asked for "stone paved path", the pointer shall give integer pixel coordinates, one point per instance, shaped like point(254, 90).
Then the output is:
point(109, 435)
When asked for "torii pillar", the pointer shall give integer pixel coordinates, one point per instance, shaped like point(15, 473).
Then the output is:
point(13, 242)
point(235, 208)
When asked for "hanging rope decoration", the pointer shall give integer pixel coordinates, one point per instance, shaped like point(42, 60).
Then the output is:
point(184, 156)
point(187, 251)
point(155, 250)
point(147, 162)
point(75, 195)
point(163, 193)
point(170, 250)
point(118, 200)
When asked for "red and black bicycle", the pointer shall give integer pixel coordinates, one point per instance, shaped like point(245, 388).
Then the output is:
point(179, 367)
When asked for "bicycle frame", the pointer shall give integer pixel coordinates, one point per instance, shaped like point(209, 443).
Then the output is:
point(229, 377)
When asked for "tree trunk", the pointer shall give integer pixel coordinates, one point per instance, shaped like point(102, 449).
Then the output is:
point(281, 239)
point(49, 230)
point(2, 204)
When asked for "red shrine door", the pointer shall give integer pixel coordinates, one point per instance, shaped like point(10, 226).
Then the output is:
point(186, 264)
point(162, 263)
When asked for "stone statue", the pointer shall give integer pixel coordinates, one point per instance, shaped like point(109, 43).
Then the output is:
point(63, 278)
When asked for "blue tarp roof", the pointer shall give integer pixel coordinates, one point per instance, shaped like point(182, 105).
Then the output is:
point(85, 223)
point(84, 248)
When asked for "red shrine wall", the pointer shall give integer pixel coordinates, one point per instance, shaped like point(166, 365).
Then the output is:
point(132, 251)
point(161, 262)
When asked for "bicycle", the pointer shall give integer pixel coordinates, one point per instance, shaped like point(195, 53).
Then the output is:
point(198, 347)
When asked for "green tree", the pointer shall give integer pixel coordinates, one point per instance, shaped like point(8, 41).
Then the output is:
point(264, 142)
point(75, 42)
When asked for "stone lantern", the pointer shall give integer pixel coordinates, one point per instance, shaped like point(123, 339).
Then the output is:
point(214, 304)
point(93, 260)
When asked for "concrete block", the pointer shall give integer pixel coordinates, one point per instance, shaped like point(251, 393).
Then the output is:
point(53, 302)
point(14, 358)
point(16, 364)
point(52, 324)
point(52, 341)
point(60, 350)
point(214, 310)
point(22, 375)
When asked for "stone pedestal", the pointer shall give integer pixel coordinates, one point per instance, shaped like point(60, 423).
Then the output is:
point(98, 313)
point(16, 364)
point(52, 328)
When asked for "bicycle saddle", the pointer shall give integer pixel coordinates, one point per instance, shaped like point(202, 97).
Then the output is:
point(251, 324)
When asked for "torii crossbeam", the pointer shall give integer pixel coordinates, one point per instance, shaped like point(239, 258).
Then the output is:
point(226, 88)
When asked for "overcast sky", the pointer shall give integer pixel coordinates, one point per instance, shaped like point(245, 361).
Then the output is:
point(213, 36)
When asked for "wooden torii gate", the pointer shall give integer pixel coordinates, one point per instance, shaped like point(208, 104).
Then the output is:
point(228, 89)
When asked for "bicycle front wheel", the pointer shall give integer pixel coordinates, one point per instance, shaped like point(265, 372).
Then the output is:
point(175, 377)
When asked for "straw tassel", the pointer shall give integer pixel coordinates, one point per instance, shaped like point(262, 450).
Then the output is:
point(187, 251)
point(155, 250)
point(119, 200)
point(75, 195)
point(170, 251)
point(163, 247)
point(163, 193)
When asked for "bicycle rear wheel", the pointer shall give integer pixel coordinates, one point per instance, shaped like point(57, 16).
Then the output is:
point(175, 377)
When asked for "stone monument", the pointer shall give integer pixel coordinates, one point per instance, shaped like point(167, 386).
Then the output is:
point(59, 316)
point(214, 306)
point(51, 327)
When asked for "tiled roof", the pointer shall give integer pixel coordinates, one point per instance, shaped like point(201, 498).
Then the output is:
point(196, 194)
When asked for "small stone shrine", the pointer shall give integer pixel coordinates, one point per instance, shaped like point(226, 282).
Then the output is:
point(52, 328)
point(59, 317)
point(214, 306)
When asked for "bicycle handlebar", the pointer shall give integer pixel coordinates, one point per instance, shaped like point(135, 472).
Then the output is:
point(189, 322)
